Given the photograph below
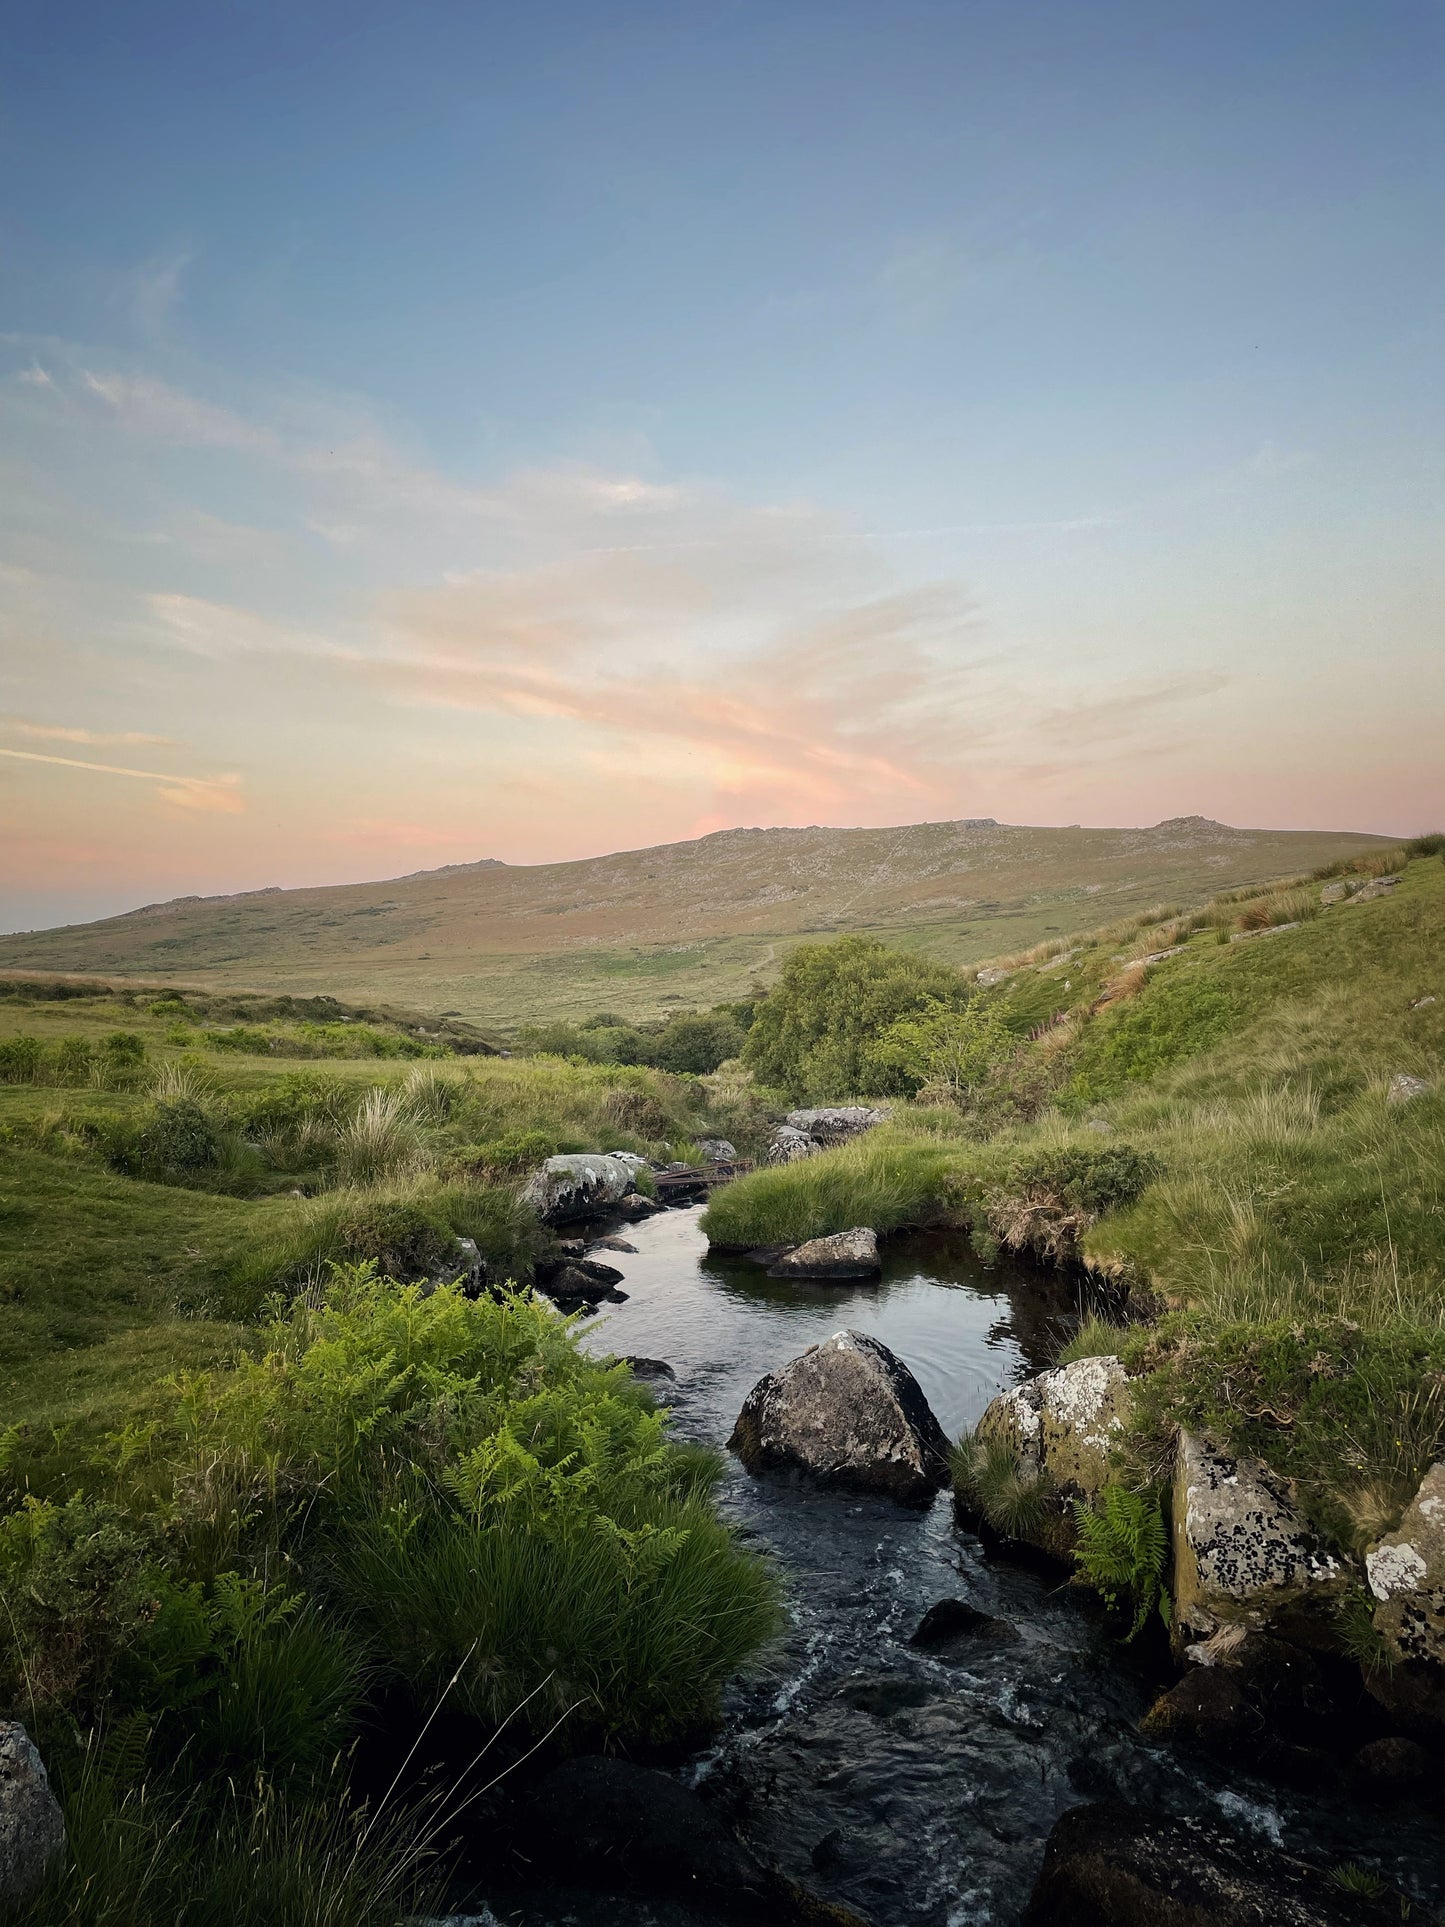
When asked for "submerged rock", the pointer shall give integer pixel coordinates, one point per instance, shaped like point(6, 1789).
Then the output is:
point(847, 1254)
point(950, 1620)
point(1243, 1555)
point(621, 1825)
point(1110, 1865)
point(32, 1828)
point(850, 1413)
point(581, 1184)
point(1406, 1574)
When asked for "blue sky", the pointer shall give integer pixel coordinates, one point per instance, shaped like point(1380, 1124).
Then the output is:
point(461, 430)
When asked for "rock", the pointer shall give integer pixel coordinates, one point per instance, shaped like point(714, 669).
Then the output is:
point(1063, 1424)
point(1269, 930)
point(1110, 1865)
point(621, 1825)
point(836, 1123)
point(1393, 1765)
point(949, 1620)
point(1413, 1694)
point(612, 1244)
point(788, 1145)
point(717, 1150)
point(1406, 1573)
point(847, 1412)
point(647, 1368)
point(1207, 1710)
point(636, 1207)
point(581, 1184)
point(993, 975)
point(847, 1254)
point(1422, 1003)
point(1099, 1124)
point(1377, 887)
point(581, 1278)
point(1242, 1554)
point(32, 1828)
point(1334, 892)
point(1404, 1089)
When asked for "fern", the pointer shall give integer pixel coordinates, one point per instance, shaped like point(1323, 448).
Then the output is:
point(1122, 1551)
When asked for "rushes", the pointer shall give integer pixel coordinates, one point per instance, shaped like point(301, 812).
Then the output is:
point(380, 1140)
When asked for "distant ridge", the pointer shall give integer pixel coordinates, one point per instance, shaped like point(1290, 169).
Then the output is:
point(692, 922)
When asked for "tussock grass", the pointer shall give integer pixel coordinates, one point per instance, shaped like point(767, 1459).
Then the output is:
point(887, 1179)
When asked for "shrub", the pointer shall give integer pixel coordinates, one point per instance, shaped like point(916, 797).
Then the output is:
point(1173, 1016)
point(696, 1045)
point(1432, 844)
point(19, 1060)
point(175, 1144)
point(815, 1034)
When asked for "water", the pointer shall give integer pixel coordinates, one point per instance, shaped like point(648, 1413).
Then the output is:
point(914, 1790)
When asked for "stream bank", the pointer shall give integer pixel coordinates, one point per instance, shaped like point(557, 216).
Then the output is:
point(907, 1786)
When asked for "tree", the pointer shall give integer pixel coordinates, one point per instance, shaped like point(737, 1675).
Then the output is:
point(816, 1034)
point(951, 1050)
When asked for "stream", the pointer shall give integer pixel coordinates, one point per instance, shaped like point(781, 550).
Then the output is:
point(916, 1790)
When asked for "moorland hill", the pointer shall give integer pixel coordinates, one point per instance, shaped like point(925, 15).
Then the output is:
point(679, 923)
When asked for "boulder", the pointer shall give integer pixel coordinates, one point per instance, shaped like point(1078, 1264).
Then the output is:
point(612, 1244)
point(581, 1278)
point(620, 1825)
point(1207, 1709)
point(847, 1412)
point(949, 1621)
point(1243, 1555)
point(788, 1145)
point(1406, 1574)
point(717, 1150)
point(1111, 1865)
point(647, 1368)
point(1404, 1088)
point(581, 1184)
point(32, 1829)
point(836, 1123)
point(1377, 887)
point(1063, 1426)
point(1393, 1765)
point(1334, 892)
point(847, 1254)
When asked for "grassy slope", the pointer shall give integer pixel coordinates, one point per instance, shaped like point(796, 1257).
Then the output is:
point(1298, 1220)
point(685, 923)
point(109, 1283)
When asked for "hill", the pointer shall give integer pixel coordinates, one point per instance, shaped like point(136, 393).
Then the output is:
point(680, 923)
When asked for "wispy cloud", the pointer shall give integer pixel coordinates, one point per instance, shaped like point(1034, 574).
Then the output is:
point(212, 793)
point(95, 738)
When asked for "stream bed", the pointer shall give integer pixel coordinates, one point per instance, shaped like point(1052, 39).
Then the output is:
point(914, 1790)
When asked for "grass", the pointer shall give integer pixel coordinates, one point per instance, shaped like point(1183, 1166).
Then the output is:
point(1287, 1214)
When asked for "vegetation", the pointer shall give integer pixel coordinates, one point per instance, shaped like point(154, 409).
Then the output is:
point(1217, 1128)
point(1123, 1553)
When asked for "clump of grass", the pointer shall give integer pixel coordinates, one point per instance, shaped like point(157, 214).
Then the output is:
point(1096, 1338)
point(995, 1481)
point(884, 1179)
point(380, 1140)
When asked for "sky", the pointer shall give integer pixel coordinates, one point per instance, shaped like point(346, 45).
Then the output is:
point(462, 430)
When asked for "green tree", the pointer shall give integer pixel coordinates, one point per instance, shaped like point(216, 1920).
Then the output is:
point(699, 1043)
point(816, 1035)
point(950, 1051)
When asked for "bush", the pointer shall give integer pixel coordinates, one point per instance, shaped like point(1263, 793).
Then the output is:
point(176, 1143)
point(816, 1034)
point(1430, 845)
point(697, 1045)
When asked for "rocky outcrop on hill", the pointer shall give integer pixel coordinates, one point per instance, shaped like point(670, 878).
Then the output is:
point(582, 1184)
point(1406, 1574)
point(32, 1829)
point(1243, 1555)
point(1111, 1865)
point(847, 1254)
point(848, 1412)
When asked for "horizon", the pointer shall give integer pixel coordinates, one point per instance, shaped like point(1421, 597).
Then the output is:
point(469, 430)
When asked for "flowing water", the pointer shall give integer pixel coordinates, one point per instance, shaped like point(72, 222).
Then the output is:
point(915, 1790)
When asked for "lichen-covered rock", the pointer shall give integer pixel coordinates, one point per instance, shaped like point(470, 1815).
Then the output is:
point(1066, 1421)
point(847, 1254)
point(1377, 887)
point(1063, 1426)
point(32, 1829)
point(717, 1150)
point(836, 1123)
point(581, 1184)
point(1243, 1555)
point(1404, 1088)
point(848, 1412)
point(1406, 1573)
point(1110, 1865)
point(788, 1145)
